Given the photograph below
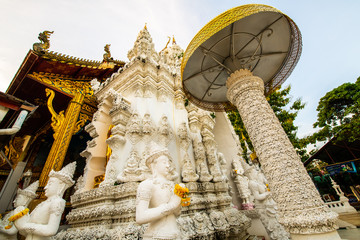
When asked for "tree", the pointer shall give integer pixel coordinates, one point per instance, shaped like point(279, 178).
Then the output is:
point(338, 114)
point(278, 101)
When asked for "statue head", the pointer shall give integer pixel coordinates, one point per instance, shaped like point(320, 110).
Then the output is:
point(24, 196)
point(159, 161)
point(60, 181)
point(250, 171)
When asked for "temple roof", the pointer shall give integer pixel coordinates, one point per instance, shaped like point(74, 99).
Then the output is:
point(60, 64)
point(62, 73)
point(336, 152)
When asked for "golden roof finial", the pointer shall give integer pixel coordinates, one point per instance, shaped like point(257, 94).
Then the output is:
point(173, 42)
point(166, 44)
point(44, 43)
point(145, 27)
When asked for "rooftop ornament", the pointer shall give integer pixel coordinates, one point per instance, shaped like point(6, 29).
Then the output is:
point(44, 43)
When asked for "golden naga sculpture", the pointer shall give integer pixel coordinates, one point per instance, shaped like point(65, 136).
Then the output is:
point(56, 119)
point(107, 54)
point(42, 46)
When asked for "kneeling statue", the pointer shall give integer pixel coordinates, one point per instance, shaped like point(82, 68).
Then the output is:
point(44, 220)
point(23, 197)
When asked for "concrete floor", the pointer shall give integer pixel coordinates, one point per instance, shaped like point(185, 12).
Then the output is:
point(354, 233)
point(349, 234)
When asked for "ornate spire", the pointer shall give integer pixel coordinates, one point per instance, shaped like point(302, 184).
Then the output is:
point(143, 47)
point(171, 56)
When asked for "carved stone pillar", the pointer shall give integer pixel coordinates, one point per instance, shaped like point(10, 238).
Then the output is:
point(120, 114)
point(64, 130)
point(301, 209)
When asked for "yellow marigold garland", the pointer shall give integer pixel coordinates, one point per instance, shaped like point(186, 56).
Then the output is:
point(182, 192)
point(8, 226)
point(18, 215)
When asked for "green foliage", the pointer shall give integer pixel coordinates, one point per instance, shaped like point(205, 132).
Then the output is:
point(186, 103)
point(278, 101)
point(338, 114)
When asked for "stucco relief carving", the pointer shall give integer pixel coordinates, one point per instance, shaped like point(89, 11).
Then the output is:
point(188, 172)
point(200, 161)
point(131, 171)
point(165, 132)
point(134, 128)
point(183, 135)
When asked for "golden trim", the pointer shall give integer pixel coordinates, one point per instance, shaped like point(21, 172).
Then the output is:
point(83, 118)
point(56, 119)
point(63, 137)
point(220, 22)
point(62, 58)
point(65, 84)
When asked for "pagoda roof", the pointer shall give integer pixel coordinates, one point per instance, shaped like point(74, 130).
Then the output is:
point(60, 64)
point(65, 75)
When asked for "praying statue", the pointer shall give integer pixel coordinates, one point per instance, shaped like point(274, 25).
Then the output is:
point(156, 202)
point(44, 220)
point(23, 198)
point(265, 205)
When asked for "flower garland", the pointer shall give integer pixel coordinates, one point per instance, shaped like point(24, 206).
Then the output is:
point(18, 215)
point(9, 226)
point(183, 193)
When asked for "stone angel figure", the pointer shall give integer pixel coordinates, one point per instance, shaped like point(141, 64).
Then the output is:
point(44, 220)
point(23, 198)
point(156, 202)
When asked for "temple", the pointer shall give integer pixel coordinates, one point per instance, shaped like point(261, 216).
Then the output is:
point(58, 86)
point(104, 115)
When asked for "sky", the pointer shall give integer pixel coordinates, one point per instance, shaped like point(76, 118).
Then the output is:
point(329, 28)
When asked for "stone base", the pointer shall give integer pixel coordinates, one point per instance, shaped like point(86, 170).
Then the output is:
point(321, 236)
point(258, 229)
point(108, 213)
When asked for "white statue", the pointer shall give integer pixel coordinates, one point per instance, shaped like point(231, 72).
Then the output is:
point(156, 202)
point(242, 184)
point(44, 220)
point(22, 200)
point(265, 204)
